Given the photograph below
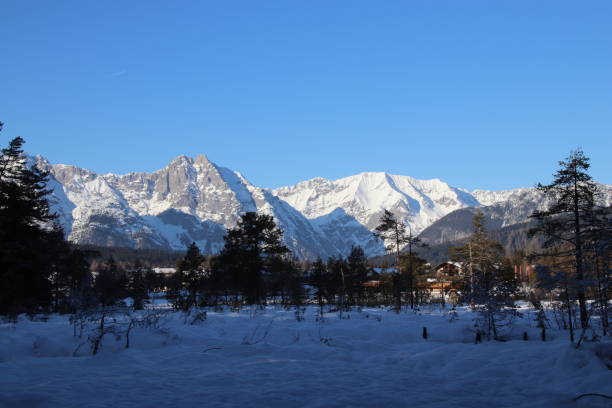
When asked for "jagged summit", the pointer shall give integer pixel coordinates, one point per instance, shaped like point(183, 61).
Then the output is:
point(367, 194)
point(194, 199)
point(190, 199)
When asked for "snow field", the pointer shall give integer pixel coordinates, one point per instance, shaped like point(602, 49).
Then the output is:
point(266, 358)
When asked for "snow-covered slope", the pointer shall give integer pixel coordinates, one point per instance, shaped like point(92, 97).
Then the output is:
point(336, 206)
point(501, 209)
point(99, 214)
point(486, 197)
point(193, 199)
point(188, 200)
point(363, 198)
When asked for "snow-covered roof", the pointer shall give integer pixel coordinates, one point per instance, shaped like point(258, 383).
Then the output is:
point(164, 270)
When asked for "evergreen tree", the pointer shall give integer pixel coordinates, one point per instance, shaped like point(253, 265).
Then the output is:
point(71, 279)
point(248, 251)
point(356, 274)
point(110, 284)
point(555, 273)
point(192, 274)
point(413, 265)
point(28, 238)
point(218, 280)
point(570, 217)
point(393, 233)
point(186, 285)
point(490, 287)
point(336, 282)
point(413, 262)
point(153, 281)
point(138, 288)
point(294, 286)
point(284, 279)
point(599, 248)
point(318, 277)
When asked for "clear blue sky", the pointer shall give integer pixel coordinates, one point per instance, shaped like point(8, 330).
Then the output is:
point(482, 94)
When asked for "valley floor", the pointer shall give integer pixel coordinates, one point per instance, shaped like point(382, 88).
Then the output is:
point(266, 358)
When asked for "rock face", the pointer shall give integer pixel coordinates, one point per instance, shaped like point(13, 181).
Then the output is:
point(188, 200)
point(193, 199)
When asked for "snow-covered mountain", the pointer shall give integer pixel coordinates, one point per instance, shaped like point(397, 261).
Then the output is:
point(501, 209)
point(486, 197)
point(193, 199)
point(364, 196)
point(432, 208)
point(188, 200)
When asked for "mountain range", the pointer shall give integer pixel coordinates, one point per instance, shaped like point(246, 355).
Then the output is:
point(195, 200)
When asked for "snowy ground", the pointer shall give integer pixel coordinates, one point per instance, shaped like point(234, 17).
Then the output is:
point(375, 358)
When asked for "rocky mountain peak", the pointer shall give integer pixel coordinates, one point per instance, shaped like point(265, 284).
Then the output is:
point(193, 199)
point(201, 160)
point(365, 196)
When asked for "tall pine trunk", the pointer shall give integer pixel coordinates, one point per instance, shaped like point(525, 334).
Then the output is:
point(584, 317)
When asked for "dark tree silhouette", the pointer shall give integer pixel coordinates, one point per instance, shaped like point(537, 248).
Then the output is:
point(393, 233)
point(110, 284)
point(191, 274)
point(489, 281)
point(570, 218)
point(28, 237)
point(318, 280)
point(356, 274)
point(248, 251)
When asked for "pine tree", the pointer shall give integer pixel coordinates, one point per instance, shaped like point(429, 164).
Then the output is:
point(191, 270)
point(247, 252)
point(138, 289)
point(336, 282)
point(356, 273)
point(393, 233)
point(599, 248)
point(284, 279)
point(293, 281)
point(218, 280)
point(570, 218)
point(490, 288)
point(413, 264)
point(318, 278)
point(413, 261)
point(110, 284)
point(28, 238)
point(71, 279)
point(552, 274)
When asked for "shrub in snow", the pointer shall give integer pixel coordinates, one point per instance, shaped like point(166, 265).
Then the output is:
point(452, 314)
point(299, 314)
point(116, 323)
point(194, 316)
point(258, 334)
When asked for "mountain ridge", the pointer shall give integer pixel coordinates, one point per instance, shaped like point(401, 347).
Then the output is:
point(192, 199)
